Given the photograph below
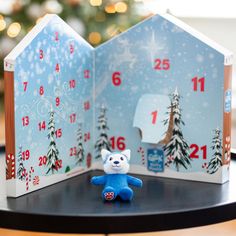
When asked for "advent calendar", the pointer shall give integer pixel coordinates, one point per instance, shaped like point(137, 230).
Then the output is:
point(161, 89)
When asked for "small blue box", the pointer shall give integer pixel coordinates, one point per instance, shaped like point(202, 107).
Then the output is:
point(155, 159)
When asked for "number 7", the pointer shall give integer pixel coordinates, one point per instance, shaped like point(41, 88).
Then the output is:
point(25, 85)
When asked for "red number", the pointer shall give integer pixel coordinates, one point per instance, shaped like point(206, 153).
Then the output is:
point(42, 160)
point(118, 143)
point(72, 118)
point(87, 137)
point(86, 105)
point(162, 64)
point(25, 85)
point(86, 74)
point(116, 80)
point(195, 152)
point(72, 83)
point(73, 151)
point(57, 68)
point(58, 164)
point(56, 36)
point(41, 90)
point(26, 155)
point(25, 121)
point(204, 152)
point(42, 125)
point(71, 48)
point(197, 81)
point(40, 54)
point(58, 101)
point(58, 133)
point(154, 117)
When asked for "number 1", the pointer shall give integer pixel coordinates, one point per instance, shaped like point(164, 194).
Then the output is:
point(154, 117)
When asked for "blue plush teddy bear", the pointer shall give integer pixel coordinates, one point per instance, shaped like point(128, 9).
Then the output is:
point(116, 180)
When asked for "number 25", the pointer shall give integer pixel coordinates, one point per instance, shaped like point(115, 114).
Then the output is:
point(162, 64)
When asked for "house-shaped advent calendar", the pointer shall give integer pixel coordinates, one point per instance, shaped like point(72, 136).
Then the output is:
point(161, 89)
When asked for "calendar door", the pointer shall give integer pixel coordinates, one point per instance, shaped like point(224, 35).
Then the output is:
point(51, 98)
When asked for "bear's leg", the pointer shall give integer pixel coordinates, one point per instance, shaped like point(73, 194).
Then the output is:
point(109, 193)
point(126, 193)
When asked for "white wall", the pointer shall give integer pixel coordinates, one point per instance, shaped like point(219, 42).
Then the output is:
point(223, 31)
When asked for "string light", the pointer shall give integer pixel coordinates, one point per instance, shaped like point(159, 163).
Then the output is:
point(95, 38)
point(121, 7)
point(110, 9)
point(2, 24)
point(96, 3)
point(53, 6)
point(13, 29)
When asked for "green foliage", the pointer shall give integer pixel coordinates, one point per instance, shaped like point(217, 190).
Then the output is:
point(67, 169)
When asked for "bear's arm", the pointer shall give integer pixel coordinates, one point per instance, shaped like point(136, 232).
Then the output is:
point(98, 180)
point(134, 181)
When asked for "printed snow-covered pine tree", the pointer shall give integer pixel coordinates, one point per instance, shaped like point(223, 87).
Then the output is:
point(53, 153)
point(177, 150)
point(103, 140)
point(21, 168)
point(216, 162)
point(80, 148)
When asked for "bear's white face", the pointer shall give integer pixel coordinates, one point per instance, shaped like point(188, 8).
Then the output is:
point(116, 163)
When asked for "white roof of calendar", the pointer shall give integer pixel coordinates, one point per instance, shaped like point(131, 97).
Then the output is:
point(20, 47)
point(10, 58)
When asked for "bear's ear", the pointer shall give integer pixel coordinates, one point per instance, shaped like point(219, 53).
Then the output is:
point(126, 153)
point(105, 153)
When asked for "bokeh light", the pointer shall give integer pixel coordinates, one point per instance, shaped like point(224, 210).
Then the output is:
point(95, 38)
point(96, 3)
point(121, 7)
point(13, 29)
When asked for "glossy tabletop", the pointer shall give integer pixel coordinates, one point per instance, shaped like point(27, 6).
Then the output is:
point(75, 206)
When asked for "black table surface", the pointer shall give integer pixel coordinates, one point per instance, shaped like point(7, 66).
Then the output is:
point(75, 206)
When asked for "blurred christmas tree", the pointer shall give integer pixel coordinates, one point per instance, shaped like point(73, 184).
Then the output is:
point(95, 20)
